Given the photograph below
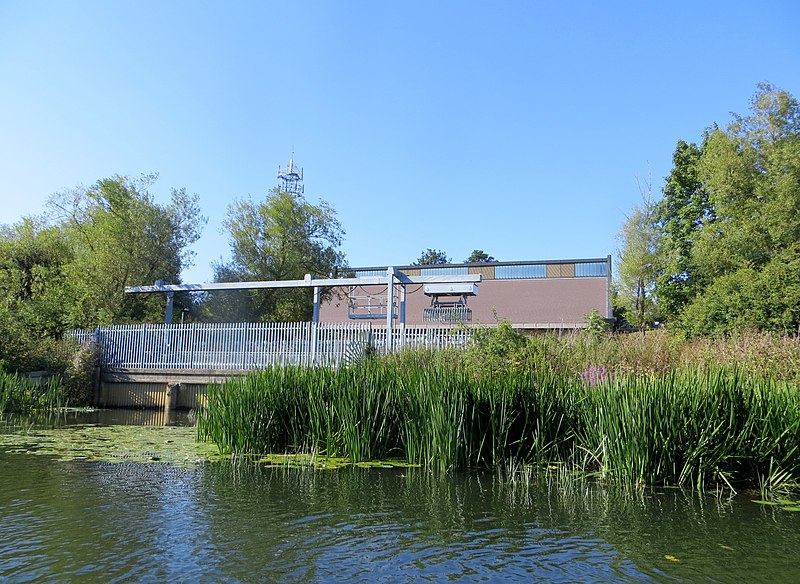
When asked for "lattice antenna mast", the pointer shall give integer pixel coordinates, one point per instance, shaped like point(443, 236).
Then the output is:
point(290, 179)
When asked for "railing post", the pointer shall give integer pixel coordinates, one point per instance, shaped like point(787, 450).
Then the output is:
point(142, 345)
point(389, 307)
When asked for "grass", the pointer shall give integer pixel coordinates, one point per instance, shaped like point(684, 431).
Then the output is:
point(19, 395)
point(716, 426)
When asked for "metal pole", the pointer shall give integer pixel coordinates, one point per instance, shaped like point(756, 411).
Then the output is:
point(402, 315)
point(389, 306)
point(168, 315)
point(315, 314)
point(315, 326)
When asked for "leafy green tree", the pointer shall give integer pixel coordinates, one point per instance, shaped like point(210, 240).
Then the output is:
point(638, 262)
point(751, 171)
point(682, 212)
point(32, 294)
point(283, 237)
point(479, 256)
point(749, 298)
point(432, 257)
point(120, 237)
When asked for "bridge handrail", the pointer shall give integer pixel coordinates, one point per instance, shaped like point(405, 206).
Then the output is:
point(244, 346)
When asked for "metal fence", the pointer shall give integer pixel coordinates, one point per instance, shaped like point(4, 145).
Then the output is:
point(243, 346)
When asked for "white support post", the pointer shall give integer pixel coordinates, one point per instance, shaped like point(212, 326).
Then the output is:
point(315, 326)
point(402, 315)
point(166, 353)
point(168, 314)
point(315, 314)
point(389, 306)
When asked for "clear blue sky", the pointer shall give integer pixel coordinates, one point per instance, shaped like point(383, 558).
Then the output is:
point(519, 128)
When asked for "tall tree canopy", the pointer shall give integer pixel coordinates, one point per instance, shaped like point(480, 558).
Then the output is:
point(680, 215)
point(479, 256)
point(120, 238)
point(69, 270)
point(730, 221)
point(283, 237)
point(33, 294)
point(749, 252)
point(638, 262)
point(432, 257)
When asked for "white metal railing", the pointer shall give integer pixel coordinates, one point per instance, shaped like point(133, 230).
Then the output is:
point(243, 346)
point(447, 314)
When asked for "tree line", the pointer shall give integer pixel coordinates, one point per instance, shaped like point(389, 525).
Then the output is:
point(719, 252)
point(68, 268)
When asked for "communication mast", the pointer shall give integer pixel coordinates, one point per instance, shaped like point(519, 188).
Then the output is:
point(290, 179)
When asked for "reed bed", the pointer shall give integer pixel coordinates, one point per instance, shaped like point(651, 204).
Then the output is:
point(18, 395)
point(686, 428)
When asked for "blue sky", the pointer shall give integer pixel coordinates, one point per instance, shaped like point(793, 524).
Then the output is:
point(519, 128)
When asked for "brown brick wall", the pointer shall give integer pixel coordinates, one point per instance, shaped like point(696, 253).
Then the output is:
point(534, 302)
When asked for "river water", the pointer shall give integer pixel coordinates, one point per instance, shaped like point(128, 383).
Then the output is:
point(79, 521)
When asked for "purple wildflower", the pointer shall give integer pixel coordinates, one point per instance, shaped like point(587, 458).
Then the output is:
point(596, 374)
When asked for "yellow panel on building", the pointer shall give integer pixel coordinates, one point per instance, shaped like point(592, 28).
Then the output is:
point(560, 270)
point(486, 272)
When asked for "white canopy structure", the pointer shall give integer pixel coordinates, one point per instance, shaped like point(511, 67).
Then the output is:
point(393, 276)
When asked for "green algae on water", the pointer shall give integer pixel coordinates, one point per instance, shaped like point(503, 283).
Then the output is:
point(148, 444)
point(90, 442)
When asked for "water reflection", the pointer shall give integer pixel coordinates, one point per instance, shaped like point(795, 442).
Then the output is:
point(234, 523)
point(106, 417)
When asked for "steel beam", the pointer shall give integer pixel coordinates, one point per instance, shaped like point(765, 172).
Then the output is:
point(308, 282)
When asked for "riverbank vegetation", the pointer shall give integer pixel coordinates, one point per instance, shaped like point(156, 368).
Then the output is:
point(20, 395)
point(621, 409)
point(708, 398)
point(68, 268)
point(68, 381)
point(719, 252)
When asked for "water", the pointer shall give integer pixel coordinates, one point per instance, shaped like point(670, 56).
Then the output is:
point(89, 521)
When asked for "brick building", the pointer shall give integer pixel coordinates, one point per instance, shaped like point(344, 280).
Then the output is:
point(532, 295)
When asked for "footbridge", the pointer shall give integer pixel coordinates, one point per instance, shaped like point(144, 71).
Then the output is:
point(170, 365)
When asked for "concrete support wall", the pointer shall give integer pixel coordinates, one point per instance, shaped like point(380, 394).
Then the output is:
point(151, 395)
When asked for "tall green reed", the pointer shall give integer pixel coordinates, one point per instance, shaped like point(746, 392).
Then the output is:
point(692, 428)
point(20, 395)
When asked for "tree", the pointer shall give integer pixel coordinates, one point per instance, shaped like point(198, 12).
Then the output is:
point(281, 238)
point(749, 298)
point(638, 262)
point(32, 294)
point(682, 212)
point(432, 257)
point(479, 256)
point(751, 171)
point(120, 237)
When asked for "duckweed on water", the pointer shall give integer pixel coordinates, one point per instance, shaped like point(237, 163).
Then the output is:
point(171, 444)
point(147, 444)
